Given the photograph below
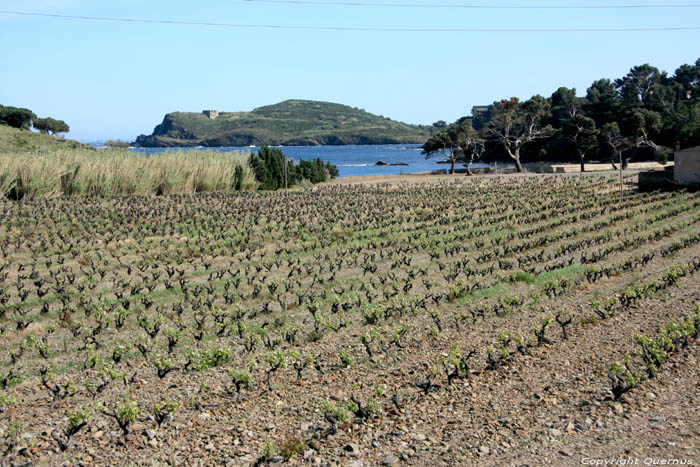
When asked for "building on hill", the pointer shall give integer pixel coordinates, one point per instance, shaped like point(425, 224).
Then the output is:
point(480, 111)
point(481, 114)
point(212, 114)
point(687, 166)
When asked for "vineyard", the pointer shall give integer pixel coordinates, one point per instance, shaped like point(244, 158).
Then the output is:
point(492, 320)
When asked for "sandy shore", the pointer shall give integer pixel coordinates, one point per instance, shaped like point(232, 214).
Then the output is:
point(576, 168)
point(430, 177)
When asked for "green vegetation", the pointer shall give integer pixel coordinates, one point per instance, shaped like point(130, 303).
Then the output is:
point(44, 170)
point(269, 169)
point(50, 125)
point(291, 123)
point(16, 117)
point(459, 141)
point(23, 119)
point(17, 140)
point(162, 319)
point(37, 165)
point(652, 353)
point(117, 144)
point(637, 117)
point(291, 447)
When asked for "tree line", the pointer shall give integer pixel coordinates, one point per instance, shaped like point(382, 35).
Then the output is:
point(18, 117)
point(269, 168)
point(640, 116)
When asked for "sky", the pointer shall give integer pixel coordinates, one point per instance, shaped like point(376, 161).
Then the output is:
point(111, 79)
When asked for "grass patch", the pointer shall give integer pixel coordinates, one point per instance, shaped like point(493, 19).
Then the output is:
point(522, 276)
point(483, 294)
point(499, 233)
point(569, 271)
point(47, 171)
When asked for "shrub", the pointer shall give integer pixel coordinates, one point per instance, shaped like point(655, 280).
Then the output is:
point(163, 411)
point(76, 421)
point(117, 144)
point(623, 378)
point(339, 413)
point(6, 400)
point(345, 358)
point(269, 451)
point(210, 358)
point(125, 414)
point(291, 446)
point(269, 169)
point(240, 379)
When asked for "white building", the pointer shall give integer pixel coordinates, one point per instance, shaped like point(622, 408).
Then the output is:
point(687, 166)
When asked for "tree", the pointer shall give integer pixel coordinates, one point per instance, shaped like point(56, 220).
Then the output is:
point(639, 85)
point(581, 132)
point(41, 124)
point(443, 143)
point(17, 117)
point(602, 91)
point(50, 125)
point(269, 169)
point(638, 125)
point(314, 171)
point(470, 142)
point(513, 124)
point(688, 78)
point(459, 140)
point(652, 110)
point(440, 124)
point(689, 133)
point(601, 99)
point(611, 136)
point(565, 105)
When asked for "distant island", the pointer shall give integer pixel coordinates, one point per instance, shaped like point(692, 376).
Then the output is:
point(289, 123)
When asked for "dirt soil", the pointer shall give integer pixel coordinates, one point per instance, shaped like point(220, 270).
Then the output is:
point(546, 403)
point(429, 177)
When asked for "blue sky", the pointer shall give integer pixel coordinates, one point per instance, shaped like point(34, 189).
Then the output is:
point(117, 80)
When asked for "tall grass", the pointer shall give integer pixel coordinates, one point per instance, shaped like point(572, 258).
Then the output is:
point(51, 172)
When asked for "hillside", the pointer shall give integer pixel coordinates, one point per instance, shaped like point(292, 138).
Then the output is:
point(290, 123)
point(13, 140)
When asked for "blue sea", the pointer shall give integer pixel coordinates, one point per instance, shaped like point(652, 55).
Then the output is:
point(355, 160)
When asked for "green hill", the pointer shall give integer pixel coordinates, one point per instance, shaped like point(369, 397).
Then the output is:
point(289, 123)
point(16, 140)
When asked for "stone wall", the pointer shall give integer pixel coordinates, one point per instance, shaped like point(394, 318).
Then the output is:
point(652, 180)
point(687, 167)
point(212, 114)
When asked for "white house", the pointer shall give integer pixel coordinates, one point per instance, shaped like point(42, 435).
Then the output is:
point(687, 166)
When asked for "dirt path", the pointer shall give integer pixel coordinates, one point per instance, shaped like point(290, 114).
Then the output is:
point(429, 177)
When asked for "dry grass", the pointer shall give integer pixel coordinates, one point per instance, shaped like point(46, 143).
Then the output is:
point(50, 172)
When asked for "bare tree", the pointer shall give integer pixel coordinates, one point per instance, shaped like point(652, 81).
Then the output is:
point(471, 144)
point(515, 124)
point(459, 140)
point(581, 132)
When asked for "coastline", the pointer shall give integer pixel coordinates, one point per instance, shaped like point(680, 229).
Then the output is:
point(358, 163)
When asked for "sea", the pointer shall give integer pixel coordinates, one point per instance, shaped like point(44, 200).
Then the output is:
point(353, 161)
